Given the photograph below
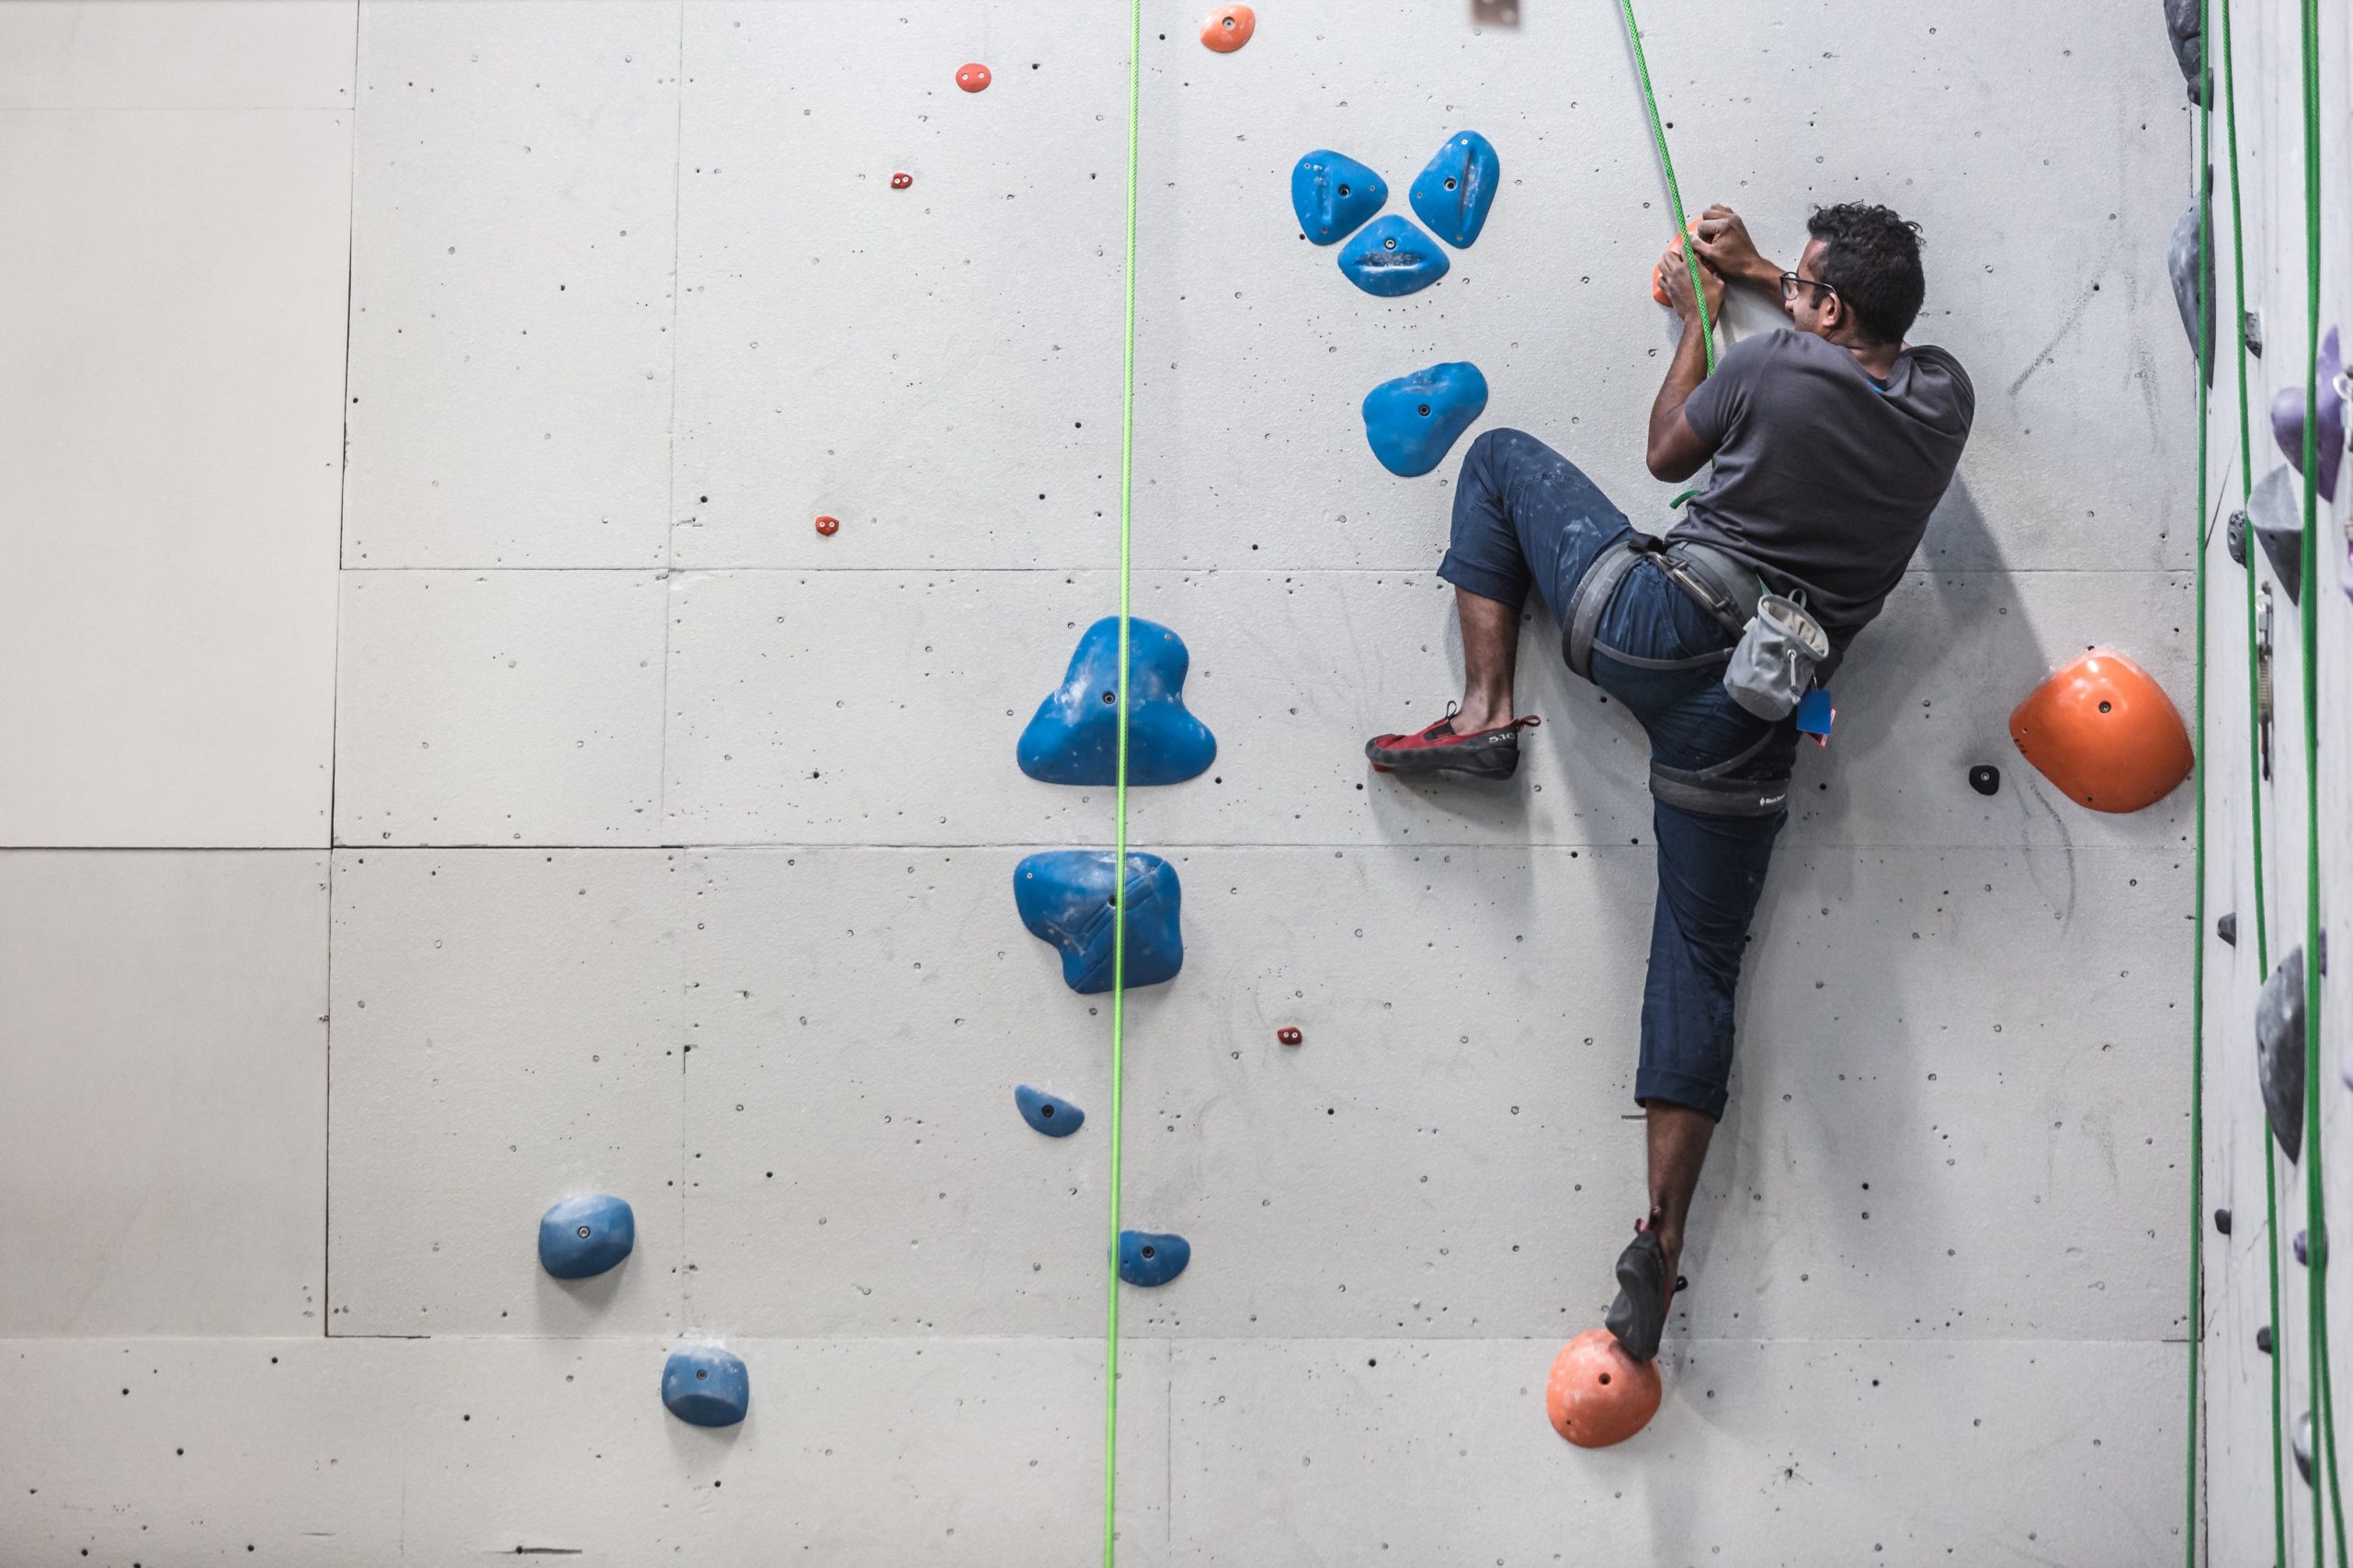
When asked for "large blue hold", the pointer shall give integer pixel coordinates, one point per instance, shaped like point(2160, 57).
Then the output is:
point(1413, 420)
point(1391, 256)
point(1074, 738)
point(1148, 1258)
point(1050, 1114)
point(706, 1386)
point(1332, 193)
point(583, 1236)
point(1452, 194)
point(1065, 897)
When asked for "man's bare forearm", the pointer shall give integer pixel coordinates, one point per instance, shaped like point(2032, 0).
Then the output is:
point(1685, 371)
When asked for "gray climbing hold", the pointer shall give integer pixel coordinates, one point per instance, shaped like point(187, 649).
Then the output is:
point(2235, 536)
point(2280, 1051)
point(2277, 509)
point(1050, 1114)
point(2226, 926)
point(2223, 1220)
point(2181, 265)
point(2300, 1445)
point(2301, 1245)
point(2184, 26)
point(2263, 1339)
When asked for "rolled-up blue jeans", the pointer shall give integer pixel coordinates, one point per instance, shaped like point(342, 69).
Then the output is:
point(1526, 517)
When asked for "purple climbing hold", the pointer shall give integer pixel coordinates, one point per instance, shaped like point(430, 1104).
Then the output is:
point(2287, 421)
point(1452, 194)
point(1332, 194)
point(1391, 256)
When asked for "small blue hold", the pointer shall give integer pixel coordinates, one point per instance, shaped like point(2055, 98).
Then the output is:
point(583, 1236)
point(1390, 257)
point(1413, 420)
point(706, 1386)
point(1332, 193)
point(1050, 1114)
point(1148, 1258)
point(1074, 738)
point(1452, 195)
point(1064, 898)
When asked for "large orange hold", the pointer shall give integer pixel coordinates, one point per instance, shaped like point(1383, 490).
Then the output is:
point(2105, 731)
point(1227, 27)
point(1598, 1395)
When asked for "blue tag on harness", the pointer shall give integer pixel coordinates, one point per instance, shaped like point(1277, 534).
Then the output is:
point(1816, 715)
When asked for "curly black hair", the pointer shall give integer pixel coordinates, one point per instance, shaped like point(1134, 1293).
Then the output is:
point(1872, 259)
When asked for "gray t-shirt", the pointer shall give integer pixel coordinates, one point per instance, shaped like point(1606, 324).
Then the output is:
point(1825, 478)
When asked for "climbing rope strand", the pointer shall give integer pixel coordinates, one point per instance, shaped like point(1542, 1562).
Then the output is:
point(2255, 788)
point(1673, 192)
point(2317, 1371)
point(1120, 811)
point(2197, 775)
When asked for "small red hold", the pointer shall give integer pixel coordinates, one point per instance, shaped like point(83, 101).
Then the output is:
point(828, 525)
point(973, 77)
point(1288, 1037)
point(900, 181)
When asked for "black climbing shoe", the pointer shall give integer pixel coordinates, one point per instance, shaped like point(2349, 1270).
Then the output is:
point(1638, 1317)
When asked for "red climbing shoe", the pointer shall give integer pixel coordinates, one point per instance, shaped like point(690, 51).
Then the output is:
point(1488, 754)
point(1638, 1317)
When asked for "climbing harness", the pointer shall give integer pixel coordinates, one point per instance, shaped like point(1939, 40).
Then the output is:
point(1120, 809)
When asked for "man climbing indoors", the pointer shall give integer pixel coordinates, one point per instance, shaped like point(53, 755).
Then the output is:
point(1831, 444)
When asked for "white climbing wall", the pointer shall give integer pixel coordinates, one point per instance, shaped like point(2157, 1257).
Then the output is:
point(2242, 1518)
point(521, 799)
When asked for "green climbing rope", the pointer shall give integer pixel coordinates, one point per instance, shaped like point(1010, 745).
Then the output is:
point(2317, 1371)
point(1119, 811)
point(2198, 788)
point(2255, 804)
point(1673, 192)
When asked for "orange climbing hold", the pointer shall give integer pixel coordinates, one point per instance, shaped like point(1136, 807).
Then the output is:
point(973, 77)
point(2105, 731)
point(1658, 282)
point(828, 526)
point(1598, 1395)
point(1227, 27)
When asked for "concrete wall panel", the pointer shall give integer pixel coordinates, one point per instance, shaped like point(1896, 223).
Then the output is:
point(163, 1126)
point(515, 221)
point(171, 325)
point(149, 54)
point(506, 1035)
point(500, 708)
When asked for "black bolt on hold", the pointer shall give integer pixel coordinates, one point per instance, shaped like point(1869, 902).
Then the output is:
point(1985, 779)
point(2226, 926)
point(2263, 1339)
point(2223, 1220)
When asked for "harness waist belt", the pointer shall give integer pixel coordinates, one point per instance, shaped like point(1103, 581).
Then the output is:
point(1723, 585)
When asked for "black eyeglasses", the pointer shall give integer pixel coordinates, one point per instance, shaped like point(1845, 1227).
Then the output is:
point(1789, 281)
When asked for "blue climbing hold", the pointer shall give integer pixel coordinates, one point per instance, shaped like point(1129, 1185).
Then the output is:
point(1050, 1114)
point(1332, 193)
point(706, 1386)
point(1064, 898)
point(1391, 256)
point(1149, 1258)
point(1413, 420)
point(1074, 738)
point(1452, 194)
point(583, 1236)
